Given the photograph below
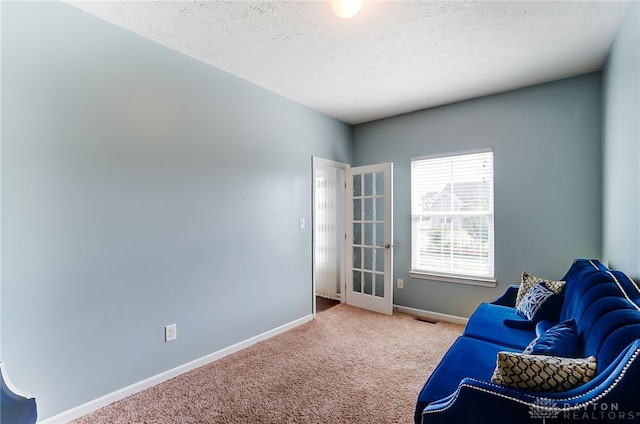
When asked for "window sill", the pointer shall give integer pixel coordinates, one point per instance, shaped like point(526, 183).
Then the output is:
point(472, 281)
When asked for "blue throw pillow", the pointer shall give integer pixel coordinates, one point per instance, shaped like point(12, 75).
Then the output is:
point(533, 300)
point(542, 326)
point(559, 340)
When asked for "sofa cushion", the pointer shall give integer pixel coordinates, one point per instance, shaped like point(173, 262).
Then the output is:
point(467, 357)
point(500, 324)
point(542, 373)
point(527, 281)
point(559, 340)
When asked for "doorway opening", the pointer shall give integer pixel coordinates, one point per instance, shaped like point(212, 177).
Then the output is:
point(353, 234)
point(329, 200)
point(324, 304)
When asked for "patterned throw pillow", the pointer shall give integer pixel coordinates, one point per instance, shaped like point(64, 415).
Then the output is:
point(542, 373)
point(527, 281)
point(533, 300)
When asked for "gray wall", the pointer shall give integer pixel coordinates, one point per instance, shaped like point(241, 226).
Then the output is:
point(546, 141)
point(621, 241)
point(142, 188)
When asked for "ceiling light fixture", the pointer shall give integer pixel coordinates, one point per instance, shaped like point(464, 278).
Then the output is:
point(346, 8)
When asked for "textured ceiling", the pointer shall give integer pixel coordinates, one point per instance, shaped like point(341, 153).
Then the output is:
point(393, 57)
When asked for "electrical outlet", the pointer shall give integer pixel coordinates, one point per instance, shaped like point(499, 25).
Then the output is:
point(170, 333)
point(400, 283)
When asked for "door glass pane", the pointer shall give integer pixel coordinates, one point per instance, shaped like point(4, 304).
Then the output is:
point(368, 258)
point(379, 285)
point(368, 234)
point(379, 234)
point(368, 283)
point(379, 208)
point(368, 184)
point(357, 233)
point(357, 185)
point(379, 183)
point(357, 281)
point(357, 209)
point(357, 257)
point(380, 259)
point(368, 209)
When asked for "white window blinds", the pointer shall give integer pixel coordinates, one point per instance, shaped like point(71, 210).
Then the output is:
point(452, 215)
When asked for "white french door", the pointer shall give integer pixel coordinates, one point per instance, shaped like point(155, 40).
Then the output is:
point(369, 253)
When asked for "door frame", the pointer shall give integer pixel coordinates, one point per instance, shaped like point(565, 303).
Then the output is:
point(342, 168)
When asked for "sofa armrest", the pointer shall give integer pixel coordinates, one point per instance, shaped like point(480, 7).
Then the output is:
point(16, 406)
point(508, 298)
point(478, 401)
point(474, 399)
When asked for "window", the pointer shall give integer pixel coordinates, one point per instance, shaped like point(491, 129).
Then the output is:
point(452, 215)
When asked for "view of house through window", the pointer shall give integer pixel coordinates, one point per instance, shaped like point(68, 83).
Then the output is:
point(452, 215)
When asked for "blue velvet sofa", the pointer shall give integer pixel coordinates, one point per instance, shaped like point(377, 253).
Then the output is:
point(596, 315)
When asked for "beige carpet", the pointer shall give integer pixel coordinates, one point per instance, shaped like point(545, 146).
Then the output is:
point(346, 366)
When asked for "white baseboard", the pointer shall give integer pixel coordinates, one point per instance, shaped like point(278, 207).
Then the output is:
point(435, 316)
point(105, 400)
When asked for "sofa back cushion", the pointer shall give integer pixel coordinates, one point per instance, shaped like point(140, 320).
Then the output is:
point(597, 301)
point(612, 334)
point(606, 317)
point(577, 288)
point(628, 286)
point(583, 265)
